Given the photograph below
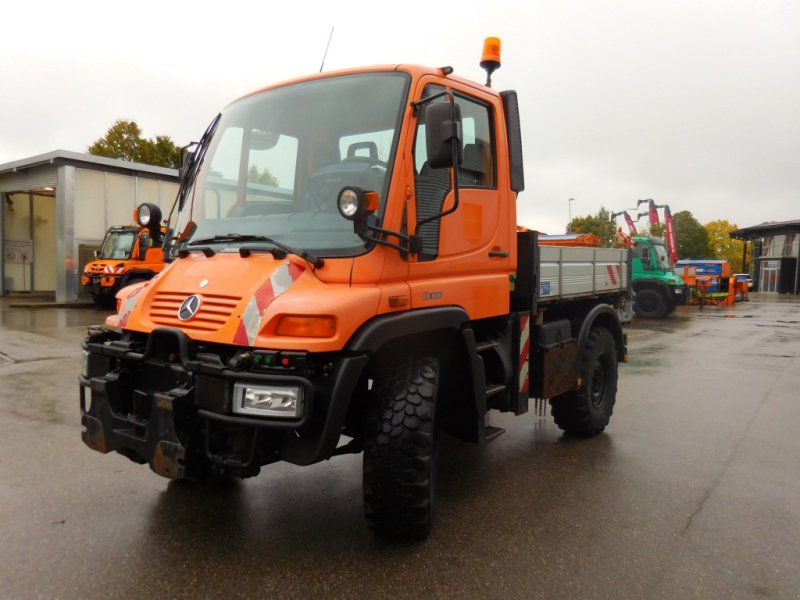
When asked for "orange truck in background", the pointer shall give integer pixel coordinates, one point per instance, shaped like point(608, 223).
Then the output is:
point(346, 276)
point(129, 254)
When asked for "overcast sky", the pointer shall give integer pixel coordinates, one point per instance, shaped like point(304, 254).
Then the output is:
point(694, 103)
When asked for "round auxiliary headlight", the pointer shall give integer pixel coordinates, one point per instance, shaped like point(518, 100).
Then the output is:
point(144, 215)
point(148, 215)
point(349, 203)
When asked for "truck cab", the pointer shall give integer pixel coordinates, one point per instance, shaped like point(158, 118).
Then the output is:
point(658, 289)
point(128, 255)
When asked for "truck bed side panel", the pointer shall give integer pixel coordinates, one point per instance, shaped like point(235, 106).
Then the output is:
point(568, 272)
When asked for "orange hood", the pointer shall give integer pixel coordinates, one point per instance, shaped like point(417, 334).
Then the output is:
point(240, 301)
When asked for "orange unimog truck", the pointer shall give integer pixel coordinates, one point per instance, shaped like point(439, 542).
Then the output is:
point(129, 254)
point(347, 277)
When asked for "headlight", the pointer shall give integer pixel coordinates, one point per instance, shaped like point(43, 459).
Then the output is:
point(148, 215)
point(348, 203)
point(268, 400)
point(85, 367)
point(355, 203)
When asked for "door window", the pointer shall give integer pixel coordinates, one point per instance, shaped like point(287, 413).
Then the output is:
point(477, 169)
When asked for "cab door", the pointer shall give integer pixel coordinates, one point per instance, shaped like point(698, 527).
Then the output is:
point(466, 255)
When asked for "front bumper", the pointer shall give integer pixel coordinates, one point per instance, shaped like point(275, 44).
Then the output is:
point(681, 295)
point(100, 283)
point(168, 403)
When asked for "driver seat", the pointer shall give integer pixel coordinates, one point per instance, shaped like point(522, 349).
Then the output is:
point(371, 147)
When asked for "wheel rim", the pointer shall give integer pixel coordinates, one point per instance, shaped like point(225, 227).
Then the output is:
point(598, 384)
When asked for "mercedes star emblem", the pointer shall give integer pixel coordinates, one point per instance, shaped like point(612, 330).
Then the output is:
point(189, 307)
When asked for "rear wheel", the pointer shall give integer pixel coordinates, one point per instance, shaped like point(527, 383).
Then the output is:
point(649, 304)
point(586, 411)
point(401, 449)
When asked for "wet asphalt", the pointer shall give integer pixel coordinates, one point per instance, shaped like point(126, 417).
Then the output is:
point(693, 491)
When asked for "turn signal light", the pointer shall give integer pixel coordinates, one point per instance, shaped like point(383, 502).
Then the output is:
point(371, 203)
point(296, 326)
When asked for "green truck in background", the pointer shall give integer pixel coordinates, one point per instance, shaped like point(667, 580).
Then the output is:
point(658, 289)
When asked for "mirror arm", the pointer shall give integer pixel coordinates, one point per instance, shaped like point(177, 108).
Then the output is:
point(407, 244)
point(422, 102)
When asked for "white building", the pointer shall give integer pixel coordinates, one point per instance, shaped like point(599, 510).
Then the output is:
point(56, 208)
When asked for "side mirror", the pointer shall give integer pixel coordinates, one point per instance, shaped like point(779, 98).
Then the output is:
point(97, 253)
point(442, 130)
point(187, 232)
point(186, 158)
point(144, 240)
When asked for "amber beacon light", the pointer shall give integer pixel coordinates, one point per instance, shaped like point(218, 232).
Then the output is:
point(490, 61)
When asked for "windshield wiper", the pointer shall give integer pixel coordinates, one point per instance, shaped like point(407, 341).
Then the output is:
point(279, 251)
point(231, 237)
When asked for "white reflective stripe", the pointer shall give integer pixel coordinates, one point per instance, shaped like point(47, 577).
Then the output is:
point(251, 319)
point(281, 280)
point(523, 376)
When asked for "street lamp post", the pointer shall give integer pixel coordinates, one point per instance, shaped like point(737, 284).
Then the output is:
point(569, 223)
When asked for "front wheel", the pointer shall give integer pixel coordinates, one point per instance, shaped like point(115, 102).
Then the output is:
point(586, 411)
point(649, 304)
point(401, 449)
point(104, 301)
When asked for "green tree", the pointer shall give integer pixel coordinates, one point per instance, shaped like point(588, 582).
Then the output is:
point(691, 236)
point(601, 224)
point(255, 175)
point(722, 246)
point(124, 141)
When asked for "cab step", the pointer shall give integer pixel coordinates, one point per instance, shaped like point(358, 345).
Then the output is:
point(484, 346)
point(492, 433)
point(494, 389)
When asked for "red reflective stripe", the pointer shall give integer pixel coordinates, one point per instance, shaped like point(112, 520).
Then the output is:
point(295, 271)
point(240, 337)
point(611, 274)
point(264, 296)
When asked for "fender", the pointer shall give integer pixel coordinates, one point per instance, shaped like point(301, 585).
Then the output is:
point(135, 274)
point(605, 316)
point(378, 331)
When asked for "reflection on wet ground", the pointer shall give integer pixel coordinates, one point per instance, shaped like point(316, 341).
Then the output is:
point(691, 492)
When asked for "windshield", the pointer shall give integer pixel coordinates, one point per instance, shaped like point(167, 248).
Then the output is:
point(278, 160)
point(117, 245)
point(662, 257)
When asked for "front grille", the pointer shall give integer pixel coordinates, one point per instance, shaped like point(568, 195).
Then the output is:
point(214, 312)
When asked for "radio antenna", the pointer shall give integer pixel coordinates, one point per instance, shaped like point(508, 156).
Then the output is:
point(324, 56)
